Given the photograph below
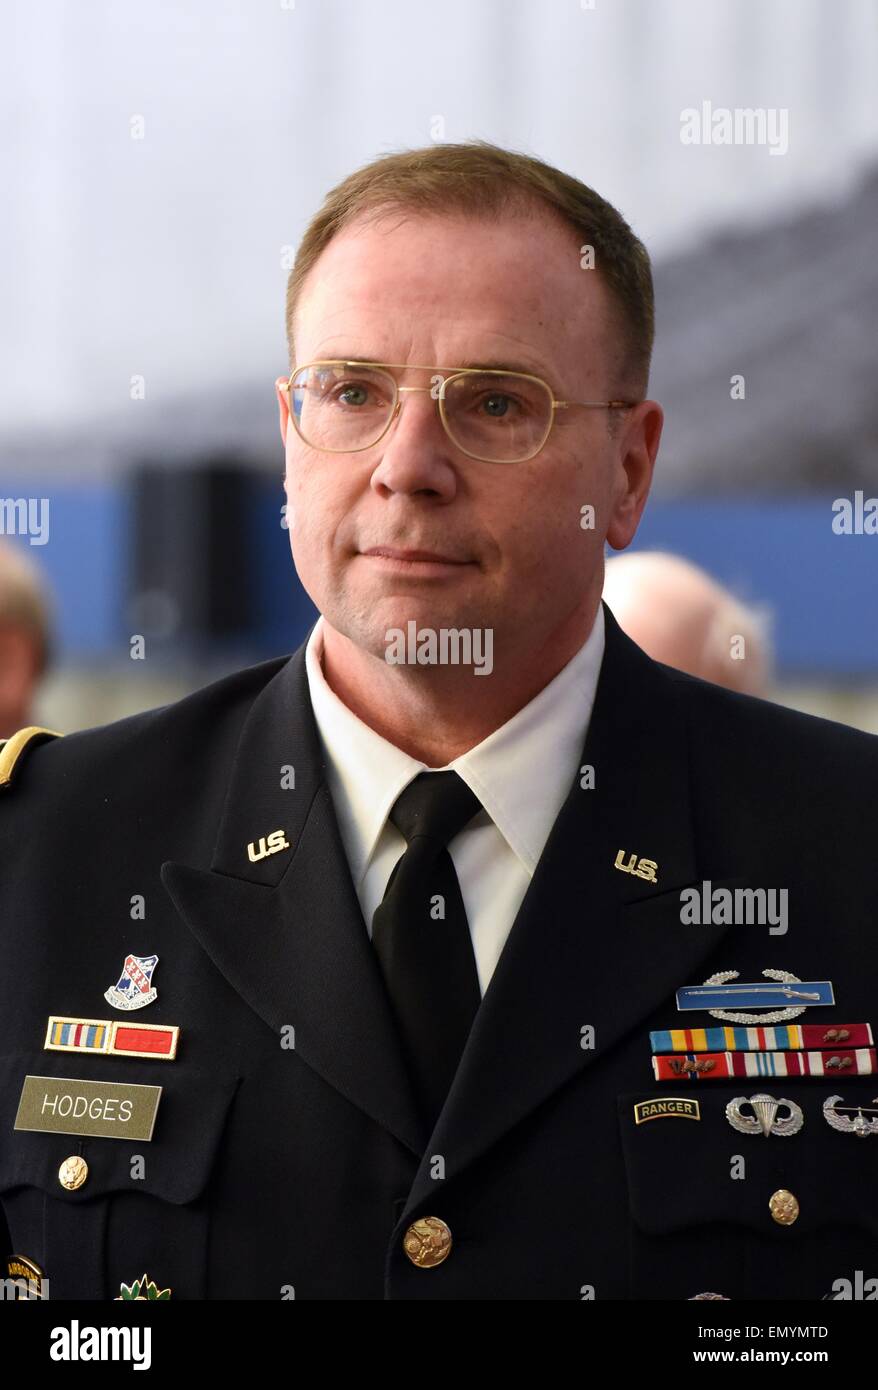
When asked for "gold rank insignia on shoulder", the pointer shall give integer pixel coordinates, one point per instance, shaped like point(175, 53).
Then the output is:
point(267, 844)
point(11, 749)
point(142, 1290)
point(641, 868)
point(667, 1108)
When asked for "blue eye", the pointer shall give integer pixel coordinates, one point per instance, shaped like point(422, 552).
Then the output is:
point(353, 389)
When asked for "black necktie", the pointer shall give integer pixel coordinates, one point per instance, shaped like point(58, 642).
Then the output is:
point(426, 957)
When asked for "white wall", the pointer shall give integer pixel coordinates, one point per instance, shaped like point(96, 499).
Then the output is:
point(162, 256)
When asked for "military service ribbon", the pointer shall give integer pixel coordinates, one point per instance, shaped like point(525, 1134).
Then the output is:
point(779, 1037)
point(705, 1066)
point(112, 1038)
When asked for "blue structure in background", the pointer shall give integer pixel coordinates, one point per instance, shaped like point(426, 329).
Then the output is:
point(821, 588)
point(84, 562)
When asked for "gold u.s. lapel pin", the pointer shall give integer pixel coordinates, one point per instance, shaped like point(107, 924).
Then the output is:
point(267, 844)
point(640, 868)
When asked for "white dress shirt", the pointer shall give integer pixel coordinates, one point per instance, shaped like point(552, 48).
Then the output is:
point(521, 774)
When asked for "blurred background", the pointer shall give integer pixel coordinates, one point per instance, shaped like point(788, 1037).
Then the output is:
point(159, 163)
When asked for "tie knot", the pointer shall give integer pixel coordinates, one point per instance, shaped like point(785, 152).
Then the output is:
point(435, 804)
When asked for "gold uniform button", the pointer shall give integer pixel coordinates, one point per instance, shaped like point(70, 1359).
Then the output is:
point(73, 1172)
point(427, 1242)
point(784, 1207)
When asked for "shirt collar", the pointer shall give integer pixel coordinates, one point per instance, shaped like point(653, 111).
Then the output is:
point(521, 772)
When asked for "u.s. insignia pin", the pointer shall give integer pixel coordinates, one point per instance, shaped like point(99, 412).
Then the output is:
point(134, 988)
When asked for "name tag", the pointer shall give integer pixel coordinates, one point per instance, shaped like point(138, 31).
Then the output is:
point(105, 1109)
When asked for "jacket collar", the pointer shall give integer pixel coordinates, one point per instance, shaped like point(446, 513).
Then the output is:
point(590, 944)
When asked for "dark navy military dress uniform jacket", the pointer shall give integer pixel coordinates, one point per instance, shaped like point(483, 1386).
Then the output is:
point(279, 1171)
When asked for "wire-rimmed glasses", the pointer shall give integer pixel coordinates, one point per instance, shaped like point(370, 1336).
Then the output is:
point(497, 416)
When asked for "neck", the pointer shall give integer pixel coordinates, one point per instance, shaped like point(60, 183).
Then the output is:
point(437, 712)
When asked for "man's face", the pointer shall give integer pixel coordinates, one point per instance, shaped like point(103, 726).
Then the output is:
point(446, 292)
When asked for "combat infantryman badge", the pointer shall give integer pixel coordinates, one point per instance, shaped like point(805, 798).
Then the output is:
point(133, 988)
point(143, 1290)
point(717, 993)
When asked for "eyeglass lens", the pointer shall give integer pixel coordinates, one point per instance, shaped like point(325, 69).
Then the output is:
point(496, 416)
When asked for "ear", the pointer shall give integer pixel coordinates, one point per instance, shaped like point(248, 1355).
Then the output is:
point(283, 401)
point(636, 454)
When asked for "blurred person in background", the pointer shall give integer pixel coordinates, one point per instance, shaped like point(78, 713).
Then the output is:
point(679, 615)
point(25, 637)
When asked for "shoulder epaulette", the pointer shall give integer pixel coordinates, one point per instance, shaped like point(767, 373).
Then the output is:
point(12, 748)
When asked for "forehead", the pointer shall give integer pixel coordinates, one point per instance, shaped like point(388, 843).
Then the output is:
point(410, 287)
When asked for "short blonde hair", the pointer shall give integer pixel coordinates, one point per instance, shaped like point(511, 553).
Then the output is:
point(480, 179)
point(24, 602)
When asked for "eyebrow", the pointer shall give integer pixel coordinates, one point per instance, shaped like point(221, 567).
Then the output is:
point(482, 364)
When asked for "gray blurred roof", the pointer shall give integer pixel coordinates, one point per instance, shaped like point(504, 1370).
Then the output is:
point(791, 306)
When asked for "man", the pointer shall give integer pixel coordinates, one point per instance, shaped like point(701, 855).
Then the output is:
point(681, 616)
point(25, 636)
point(412, 895)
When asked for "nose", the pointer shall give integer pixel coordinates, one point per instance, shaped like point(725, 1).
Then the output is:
point(416, 453)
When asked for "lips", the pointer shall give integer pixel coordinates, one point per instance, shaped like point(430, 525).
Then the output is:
point(427, 556)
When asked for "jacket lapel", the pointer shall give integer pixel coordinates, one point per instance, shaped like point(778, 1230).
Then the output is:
point(591, 945)
point(287, 930)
